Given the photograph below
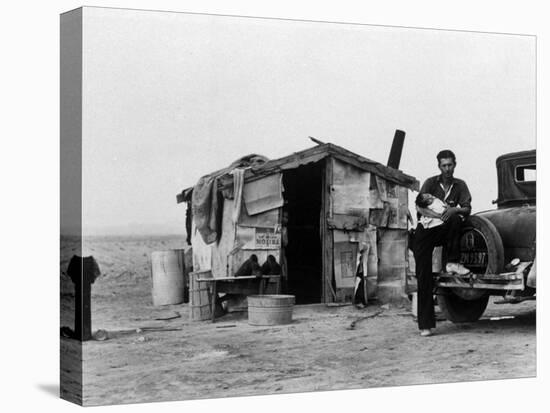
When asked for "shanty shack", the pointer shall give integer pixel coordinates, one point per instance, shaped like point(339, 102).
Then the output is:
point(317, 212)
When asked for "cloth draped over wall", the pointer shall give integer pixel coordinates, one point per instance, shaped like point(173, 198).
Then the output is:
point(207, 201)
point(206, 207)
point(238, 183)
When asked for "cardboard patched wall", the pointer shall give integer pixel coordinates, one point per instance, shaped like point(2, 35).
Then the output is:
point(258, 234)
point(369, 213)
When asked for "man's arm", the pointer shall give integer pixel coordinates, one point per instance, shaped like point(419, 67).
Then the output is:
point(449, 212)
point(465, 200)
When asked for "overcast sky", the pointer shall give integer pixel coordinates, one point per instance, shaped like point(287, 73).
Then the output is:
point(169, 97)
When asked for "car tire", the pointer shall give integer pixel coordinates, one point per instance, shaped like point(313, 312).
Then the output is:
point(495, 248)
point(462, 305)
point(495, 253)
point(458, 310)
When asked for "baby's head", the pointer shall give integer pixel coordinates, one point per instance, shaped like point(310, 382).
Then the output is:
point(423, 200)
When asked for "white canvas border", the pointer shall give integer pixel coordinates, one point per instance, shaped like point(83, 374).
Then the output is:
point(29, 307)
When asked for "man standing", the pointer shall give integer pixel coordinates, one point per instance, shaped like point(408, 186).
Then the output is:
point(432, 232)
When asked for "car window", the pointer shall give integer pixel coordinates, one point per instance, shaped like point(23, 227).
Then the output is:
point(526, 173)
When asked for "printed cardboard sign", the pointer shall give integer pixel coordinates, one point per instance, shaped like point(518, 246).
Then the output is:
point(267, 238)
point(258, 238)
point(345, 260)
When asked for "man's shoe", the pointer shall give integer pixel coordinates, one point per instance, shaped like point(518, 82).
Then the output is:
point(456, 268)
point(426, 333)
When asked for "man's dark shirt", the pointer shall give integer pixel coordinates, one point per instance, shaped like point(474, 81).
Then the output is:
point(459, 195)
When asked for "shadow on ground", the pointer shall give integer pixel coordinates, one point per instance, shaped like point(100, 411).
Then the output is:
point(522, 321)
point(51, 389)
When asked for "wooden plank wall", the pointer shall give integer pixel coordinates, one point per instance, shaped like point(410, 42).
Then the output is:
point(358, 194)
point(328, 293)
point(350, 205)
point(392, 264)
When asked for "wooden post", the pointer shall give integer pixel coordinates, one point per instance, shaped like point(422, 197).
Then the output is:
point(327, 291)
point(83, 272)
point(83, 310)
point(213, 298)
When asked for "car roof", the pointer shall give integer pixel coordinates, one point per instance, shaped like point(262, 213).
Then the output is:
point(532, 153)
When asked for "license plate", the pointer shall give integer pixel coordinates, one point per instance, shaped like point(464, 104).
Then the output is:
point(473, 258)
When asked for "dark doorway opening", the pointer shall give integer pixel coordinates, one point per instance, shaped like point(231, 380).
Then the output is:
point(303, 198)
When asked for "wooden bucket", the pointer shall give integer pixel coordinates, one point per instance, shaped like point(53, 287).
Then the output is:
point(269, 310)
point(199, 300)
point(167, 271)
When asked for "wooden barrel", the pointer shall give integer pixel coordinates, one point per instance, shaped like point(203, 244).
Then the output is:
point(269, 310)
point(199, 300)
point(167, 271)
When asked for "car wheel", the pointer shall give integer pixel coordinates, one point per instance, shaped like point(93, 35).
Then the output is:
point(458, 310)
point(481, 246)
point(481, 250)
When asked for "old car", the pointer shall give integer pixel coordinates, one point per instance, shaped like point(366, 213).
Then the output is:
point(498, 246)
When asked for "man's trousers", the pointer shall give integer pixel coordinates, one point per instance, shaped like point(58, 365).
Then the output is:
point(425, 240)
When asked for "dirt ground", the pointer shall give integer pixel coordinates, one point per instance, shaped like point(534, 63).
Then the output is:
point(324, 348)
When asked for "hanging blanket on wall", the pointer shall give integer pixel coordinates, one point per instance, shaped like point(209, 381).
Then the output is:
point(207, 201)
point(238, 183)
point(206, 208)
